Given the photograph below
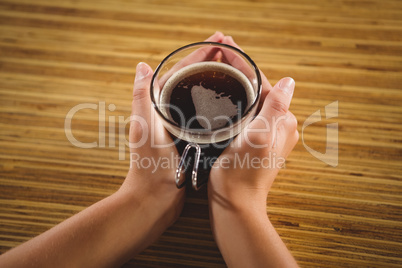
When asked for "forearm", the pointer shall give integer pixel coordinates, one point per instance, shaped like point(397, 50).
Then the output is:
point(246, 237)
point(103, 235)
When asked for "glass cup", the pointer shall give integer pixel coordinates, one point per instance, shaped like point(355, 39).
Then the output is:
point(205, 93)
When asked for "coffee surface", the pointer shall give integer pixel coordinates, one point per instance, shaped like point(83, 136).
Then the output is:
point(207, 95)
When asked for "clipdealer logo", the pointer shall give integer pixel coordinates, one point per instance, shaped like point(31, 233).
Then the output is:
point(101, 143)
point(330, 156)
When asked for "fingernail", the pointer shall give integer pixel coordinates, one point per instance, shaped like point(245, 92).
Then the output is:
point(218, 33)
point(287, 85)
point(229, 38)
point(141, 71)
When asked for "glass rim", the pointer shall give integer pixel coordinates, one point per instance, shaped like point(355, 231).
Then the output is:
point(246, 112)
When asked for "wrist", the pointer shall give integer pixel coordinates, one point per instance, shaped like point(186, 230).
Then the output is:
point(159, 198)
point(230, 196)
point(241, 188)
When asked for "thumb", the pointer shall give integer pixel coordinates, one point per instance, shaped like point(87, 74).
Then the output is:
point(278, 100)
point(274, 109)
point(141, 104)
point(276, 106)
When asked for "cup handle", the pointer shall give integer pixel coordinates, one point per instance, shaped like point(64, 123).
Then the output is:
point(179, 171)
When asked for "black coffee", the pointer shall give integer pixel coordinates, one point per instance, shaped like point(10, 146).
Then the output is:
point(208, 95)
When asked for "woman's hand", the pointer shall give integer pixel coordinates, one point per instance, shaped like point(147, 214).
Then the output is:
point(153, 155)
point(248, 166)
point(148, 181)
point(242, 176)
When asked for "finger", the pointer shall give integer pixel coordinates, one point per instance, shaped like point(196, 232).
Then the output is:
point(141, 90)
point(233, 58)
point(141, 104)
point(199, 55)
point(228, 40)
point(273, 112)
point(288, 135)
point(216, 37)
point(241, 63)
point(206, 53)
point(278, 100)
point(291, 122)
point(266, 85)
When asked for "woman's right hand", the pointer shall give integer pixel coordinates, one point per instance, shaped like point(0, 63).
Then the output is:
point(247, 168)
point(242, 176)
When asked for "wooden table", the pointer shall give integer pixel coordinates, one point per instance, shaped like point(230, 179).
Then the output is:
point(55, 55)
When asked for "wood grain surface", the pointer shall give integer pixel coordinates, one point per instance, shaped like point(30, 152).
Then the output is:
point(55, 55)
